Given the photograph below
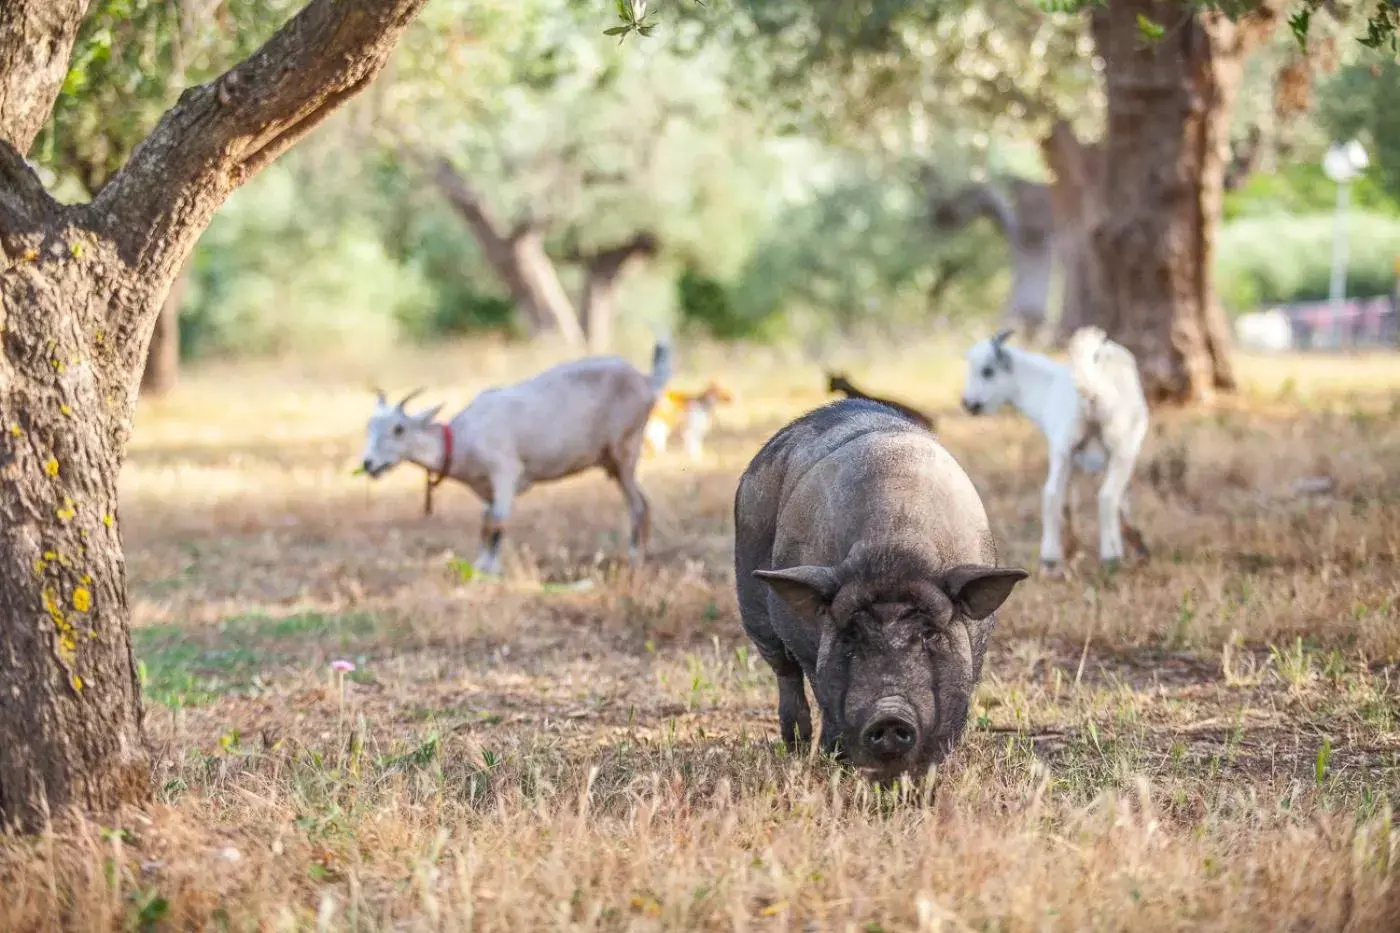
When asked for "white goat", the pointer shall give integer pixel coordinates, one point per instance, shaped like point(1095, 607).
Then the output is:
point(575, 416)
point(1093, 414)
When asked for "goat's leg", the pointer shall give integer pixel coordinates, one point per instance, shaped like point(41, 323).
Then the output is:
point(490, 541)
point(493, 521)
point(1071, 540)
point(692, 439)
point(639, 514)
point(1053, 499)
point(624, 470)
point(1131, 536)
point(1111, 497)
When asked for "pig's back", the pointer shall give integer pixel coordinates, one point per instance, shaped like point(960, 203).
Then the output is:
point(850, 472)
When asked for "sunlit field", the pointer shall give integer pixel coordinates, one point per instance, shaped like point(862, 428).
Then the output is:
point(1207, 741)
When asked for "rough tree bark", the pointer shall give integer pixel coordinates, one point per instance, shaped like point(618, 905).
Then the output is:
point(604, 271)
point(162, 370)
point(80, 289)
point(517, 255)
point(1025, 217)
point(1074, 198)
point(1165, 150)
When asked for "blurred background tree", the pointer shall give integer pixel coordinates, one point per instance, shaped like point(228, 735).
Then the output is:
point(759, 171)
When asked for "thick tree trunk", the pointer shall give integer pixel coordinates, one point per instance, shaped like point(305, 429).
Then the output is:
point(162, 370)
point(518, 258)
point(605, 270)
point(80, 289)
point(1165, 153)
point(1075, 201)
point(70, 717)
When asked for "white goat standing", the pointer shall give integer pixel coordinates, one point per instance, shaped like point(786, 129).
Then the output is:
point(1093, 414)
point(575, 416)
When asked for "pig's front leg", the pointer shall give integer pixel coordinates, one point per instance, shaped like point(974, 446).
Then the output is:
point(794, 715)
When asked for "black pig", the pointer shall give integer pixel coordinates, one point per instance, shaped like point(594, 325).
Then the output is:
point(865, 563)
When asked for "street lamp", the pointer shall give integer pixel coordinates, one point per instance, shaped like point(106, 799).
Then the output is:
point(1343, 163)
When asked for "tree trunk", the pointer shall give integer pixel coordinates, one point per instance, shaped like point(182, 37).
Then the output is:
point(80, 289)
point(1165, 153)
point(1032, 256)
point(518, 258)
point(162, 370)
point(1075, 201)
point(605, 270)
point(70, 716)
point(532, 278)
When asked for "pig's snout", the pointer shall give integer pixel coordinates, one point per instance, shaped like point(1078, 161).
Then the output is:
point(892, 732)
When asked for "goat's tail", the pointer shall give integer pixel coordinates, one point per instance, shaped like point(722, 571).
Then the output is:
point(1084, 348)
point(1103, 371)
point(660, 365)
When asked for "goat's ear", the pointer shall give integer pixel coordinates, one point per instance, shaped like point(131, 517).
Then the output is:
point(807, 590)
point(426, 416)
point(999, 347)
point(978, 590)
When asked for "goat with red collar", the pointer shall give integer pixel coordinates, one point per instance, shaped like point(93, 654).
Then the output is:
point(570, 418)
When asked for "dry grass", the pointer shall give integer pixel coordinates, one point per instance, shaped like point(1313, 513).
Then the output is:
point(1205, 742)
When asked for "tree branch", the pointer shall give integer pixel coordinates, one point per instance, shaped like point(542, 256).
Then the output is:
point(24, 204)
point(490, 231)
point(642, 243)
point(219, 134)
point(973, 201)
point(36, 44)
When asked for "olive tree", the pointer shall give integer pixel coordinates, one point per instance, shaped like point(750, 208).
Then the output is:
point(81, 286)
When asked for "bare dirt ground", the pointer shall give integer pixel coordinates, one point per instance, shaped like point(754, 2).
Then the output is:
point(1207, 741)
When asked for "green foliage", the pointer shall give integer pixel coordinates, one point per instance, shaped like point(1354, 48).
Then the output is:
point(272, 275)
point(1265, 260)
point(1302, 188)
point(900, 72)
point(705, 304)
point(130, 62)
point(1381, 27)
point(863, 251)
point(1360, 101)
point(418, 231)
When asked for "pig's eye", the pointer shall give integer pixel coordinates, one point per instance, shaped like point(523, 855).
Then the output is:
point(935, 641)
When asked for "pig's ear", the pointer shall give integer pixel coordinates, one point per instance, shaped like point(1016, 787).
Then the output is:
point(807, 590)
point(978, 590)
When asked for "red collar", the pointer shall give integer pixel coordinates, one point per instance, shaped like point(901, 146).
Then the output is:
point(442, 471)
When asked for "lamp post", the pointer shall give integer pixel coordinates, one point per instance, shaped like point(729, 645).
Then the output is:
point(1343, 163)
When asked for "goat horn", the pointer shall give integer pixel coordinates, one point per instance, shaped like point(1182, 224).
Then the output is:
point(409, 397)
point(379, 394)
point(1002, 335)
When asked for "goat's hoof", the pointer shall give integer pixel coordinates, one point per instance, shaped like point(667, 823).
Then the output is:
point(1052, 570)
point(1110, 565)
